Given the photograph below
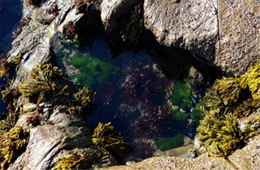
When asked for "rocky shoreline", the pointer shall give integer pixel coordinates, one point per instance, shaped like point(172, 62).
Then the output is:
point(212, 34)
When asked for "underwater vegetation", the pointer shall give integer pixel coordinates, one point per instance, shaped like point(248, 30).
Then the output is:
point(109, 141)
point(93, 71)
point(181, 103)
point(157, 122)
point(75, 160)
point(228, 100)
point(169, 143)
point(12, 144)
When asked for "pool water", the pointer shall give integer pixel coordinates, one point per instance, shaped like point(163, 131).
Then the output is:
point(134, 94)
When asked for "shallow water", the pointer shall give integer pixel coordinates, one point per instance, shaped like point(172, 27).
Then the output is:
point(10, 15)
point(134, 94)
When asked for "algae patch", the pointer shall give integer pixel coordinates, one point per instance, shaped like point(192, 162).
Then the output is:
point(92, 70)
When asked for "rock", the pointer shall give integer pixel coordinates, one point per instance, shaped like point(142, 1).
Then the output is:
point(188, 24)
point(245, 158)
point(239, 37)
point(64, 132)
point(248, 157)
point(111, 10)
point(224, 32)
point(167, 162)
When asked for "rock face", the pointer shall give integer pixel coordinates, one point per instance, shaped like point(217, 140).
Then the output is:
point(225, 32)
point(111, 10)
point(189, 24)
point(246, 158)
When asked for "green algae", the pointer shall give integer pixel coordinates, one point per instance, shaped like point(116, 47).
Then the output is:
point(169, 143)
point(181, 95)
point(93, 71)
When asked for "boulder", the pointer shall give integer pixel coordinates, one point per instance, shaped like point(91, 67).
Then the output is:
point(224, 32)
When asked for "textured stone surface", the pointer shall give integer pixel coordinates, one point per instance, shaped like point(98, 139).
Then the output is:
point(112, 9)
point(239, 35)
point(226, 32)
point(189, 24)
point(63, 132)
point(166, 163)
point(248, 157)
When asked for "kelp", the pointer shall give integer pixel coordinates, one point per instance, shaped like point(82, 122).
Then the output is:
point(109, 141)
point(74, 160)
point(12, 144)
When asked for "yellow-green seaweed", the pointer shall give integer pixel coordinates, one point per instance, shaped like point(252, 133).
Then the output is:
point(12, 144)
point(42, 85)
point(228, 100)
point(74, 160)
point(109, 141)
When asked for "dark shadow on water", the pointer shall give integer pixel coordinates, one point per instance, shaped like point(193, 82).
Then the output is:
point(10, 16)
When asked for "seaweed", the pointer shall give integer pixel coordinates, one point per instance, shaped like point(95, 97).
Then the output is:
point(228, 100)
point(13, 144)
point(169, 143)
point(92, 70)
point(222, 136)
point(109, 141)
point(75, 160)
point(84, 97)
point(42, 86)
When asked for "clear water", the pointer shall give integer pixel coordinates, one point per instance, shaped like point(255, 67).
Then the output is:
point(132, 93)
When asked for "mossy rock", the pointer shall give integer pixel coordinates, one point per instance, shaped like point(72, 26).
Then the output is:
point(169, 143)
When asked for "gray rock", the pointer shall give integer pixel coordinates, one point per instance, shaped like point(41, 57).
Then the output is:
point(111, 10)
point(224, 32)
point(190, 24)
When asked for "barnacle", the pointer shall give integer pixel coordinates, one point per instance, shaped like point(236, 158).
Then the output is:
point(109, 141)
point(13, 143)
point(74, 160)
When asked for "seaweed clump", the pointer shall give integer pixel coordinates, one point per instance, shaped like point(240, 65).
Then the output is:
point(43, 83)
point(12, 144)
point(75, 160)
point(228, 100)
point(109, 141)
